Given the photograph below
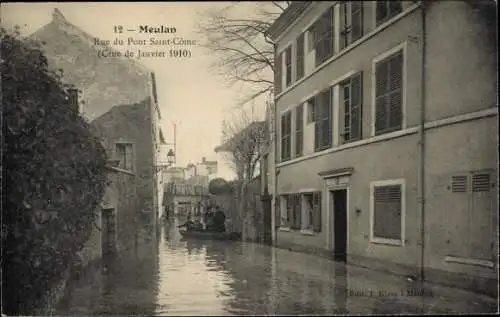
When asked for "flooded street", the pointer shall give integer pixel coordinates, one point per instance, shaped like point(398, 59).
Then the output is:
point(175, 277)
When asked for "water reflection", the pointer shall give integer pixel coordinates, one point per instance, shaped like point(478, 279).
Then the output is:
point(192, 277)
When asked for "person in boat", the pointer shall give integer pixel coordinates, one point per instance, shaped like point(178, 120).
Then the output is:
point(219, 220)
point(208, 219)
point(189, 224)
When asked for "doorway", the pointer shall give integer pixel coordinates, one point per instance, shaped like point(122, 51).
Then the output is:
point(338, 199)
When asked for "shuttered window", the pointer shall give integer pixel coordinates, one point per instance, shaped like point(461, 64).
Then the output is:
point(323, 120)
point(387, 212)
point(299, 67)
point(459, 184)
point(277, 211)
point(125, 155)
point(288, 66)
point(351, 100)
point(299, 130)
point(322, 31)
point(481, 183)
point(387, 10)
point(317, 211)
point(277, 73)
point(389, 94)
point(286, 130)
point(351, 22)
point(73, 99)
point(476, 182)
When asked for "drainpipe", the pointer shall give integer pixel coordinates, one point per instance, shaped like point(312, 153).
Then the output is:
point(421, 142)
point(275, 137)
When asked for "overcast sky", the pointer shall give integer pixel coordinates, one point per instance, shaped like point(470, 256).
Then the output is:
point(188, 93)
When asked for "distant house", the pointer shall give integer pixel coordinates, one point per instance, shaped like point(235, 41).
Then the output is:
point(118, 97)
point(386, 142)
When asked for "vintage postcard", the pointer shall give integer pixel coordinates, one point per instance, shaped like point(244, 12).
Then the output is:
point(249, 158)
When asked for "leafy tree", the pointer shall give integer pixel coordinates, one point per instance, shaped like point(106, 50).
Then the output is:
point(55, 176)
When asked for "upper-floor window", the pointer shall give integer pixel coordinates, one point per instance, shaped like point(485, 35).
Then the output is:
point(286, 135)
point(323, 120)
point(351, 22)
point(125, 155)
point(288, 66)
point(299, 67)
point(322, 36)
point(389, 94)
point(387, 10)
point(72, 98)
point(299, 130)
point(351, 105)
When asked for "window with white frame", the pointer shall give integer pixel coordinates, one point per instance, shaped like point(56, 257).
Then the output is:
point(389, 87)
point(288, 66)
point(387, 9)
point(286, 135)
point(351, 22)
point(125, 154)
point(351, 96)
point(323, 120)
point(321, 36)
point(300, 57)
point(387, 212)
point(299, 130)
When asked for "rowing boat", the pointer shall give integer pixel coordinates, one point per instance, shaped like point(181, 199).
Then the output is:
point(210, 235)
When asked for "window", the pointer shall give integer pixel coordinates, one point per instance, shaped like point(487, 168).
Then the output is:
point(286, 131)
point(285, 211)
point(124, 153)
point(323, 120)
point(387, 10)
point(389, 94)
point(351, 102)
point(299, 67)
point(322, 36)
point(312, 212)
point(72, 99)
point(299, 130)
point(351, 22)
point(277, 73)
point(387, 212)
point(288, 66)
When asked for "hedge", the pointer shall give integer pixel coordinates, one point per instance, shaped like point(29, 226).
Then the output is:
point(54, 176)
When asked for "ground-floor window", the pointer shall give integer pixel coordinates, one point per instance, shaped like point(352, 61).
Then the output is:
point(300, 211)
point(387, 212)
point(312, 211)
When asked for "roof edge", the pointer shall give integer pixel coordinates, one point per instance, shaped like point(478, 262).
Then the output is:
point(283, 21)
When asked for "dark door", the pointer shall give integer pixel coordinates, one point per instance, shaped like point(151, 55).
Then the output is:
point(266, 208)
point(340, 224)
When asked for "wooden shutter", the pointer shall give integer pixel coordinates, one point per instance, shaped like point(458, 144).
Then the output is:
point(356, 107)
point(356, 20)
point(396, 92)
point(387, 212)
point(481, 182)
point(289, 210)
point(288, 66)
point(299, 127)
point(459, 184)
point(381, 82)
point(317, 212)
point(343, 24)
point(327, 119)
point(317, 116)
point(296, 211)
point(129, 156)
point(277, 73)
point(300, 57)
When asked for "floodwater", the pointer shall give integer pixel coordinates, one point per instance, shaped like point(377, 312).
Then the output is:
point(175, 277)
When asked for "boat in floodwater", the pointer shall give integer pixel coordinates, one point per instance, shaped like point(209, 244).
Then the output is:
point(210, 235)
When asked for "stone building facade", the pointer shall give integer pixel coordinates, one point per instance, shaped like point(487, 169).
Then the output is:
point(118, 97)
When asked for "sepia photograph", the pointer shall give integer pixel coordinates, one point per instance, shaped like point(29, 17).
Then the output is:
point(249, 158)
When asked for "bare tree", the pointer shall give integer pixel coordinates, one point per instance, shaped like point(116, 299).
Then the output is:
point(234, 34)
point(244, 140)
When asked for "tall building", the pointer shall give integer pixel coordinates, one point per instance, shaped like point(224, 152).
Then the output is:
point(385, 151)
point(118, 97)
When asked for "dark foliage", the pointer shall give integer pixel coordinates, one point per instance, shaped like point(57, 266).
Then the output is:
point(54, 176)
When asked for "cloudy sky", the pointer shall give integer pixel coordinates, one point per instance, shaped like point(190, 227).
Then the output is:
point(189, 93)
